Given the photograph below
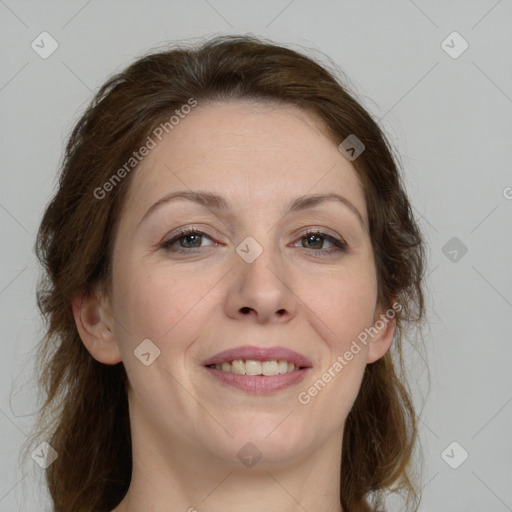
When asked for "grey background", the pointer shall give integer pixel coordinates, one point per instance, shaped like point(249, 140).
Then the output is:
point(449, 119)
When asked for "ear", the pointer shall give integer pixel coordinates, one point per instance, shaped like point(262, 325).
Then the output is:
point(382, 332)
point(95, 327)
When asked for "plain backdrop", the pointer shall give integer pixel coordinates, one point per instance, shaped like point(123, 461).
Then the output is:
point(445, 101)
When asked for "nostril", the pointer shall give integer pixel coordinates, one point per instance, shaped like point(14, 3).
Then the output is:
point(245, 310)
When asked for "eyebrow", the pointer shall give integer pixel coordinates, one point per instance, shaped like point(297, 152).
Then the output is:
point(217, 202)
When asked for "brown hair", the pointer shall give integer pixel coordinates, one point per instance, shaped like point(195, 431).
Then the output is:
point(85, 412)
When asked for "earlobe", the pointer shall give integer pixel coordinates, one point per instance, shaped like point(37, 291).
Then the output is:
point(94, 325)
point(382, 334)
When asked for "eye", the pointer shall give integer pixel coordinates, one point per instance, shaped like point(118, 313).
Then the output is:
point(315, 240)
point(189, 239)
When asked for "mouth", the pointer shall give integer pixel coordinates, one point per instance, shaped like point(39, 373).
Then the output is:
point(259, 370)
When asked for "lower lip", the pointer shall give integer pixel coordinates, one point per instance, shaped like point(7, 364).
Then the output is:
point(259, 384)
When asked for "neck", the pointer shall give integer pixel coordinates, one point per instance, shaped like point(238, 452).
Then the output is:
point(178, 476)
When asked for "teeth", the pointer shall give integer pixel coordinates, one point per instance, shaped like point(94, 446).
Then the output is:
point(238, 366)
point(283, 366)
point(269, 368)
point(253, 367)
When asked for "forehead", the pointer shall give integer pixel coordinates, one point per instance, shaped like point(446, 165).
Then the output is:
point(258, 153)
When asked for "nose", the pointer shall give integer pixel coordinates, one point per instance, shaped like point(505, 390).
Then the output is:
point(262, 290)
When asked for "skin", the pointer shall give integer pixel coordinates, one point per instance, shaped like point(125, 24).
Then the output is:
point(187, 427)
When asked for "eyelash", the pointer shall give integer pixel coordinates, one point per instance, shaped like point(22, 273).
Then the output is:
point(338, 245)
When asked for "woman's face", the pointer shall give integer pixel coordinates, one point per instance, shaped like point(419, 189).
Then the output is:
point(248, 277)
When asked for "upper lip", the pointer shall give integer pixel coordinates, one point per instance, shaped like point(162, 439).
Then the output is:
point(259, 354)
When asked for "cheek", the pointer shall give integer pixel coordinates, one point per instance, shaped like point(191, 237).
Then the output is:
point(147, 305)
point(164, 305)
point(343, 302)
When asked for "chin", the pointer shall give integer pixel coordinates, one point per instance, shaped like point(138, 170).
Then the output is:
point(257, 444)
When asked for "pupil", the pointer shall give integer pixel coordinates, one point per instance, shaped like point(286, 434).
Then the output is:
point(312, 238)
point(188, 237)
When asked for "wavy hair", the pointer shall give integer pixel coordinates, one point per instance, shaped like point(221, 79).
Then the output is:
point(84, 415)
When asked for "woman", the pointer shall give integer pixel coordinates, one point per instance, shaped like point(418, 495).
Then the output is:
point(231, 262)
